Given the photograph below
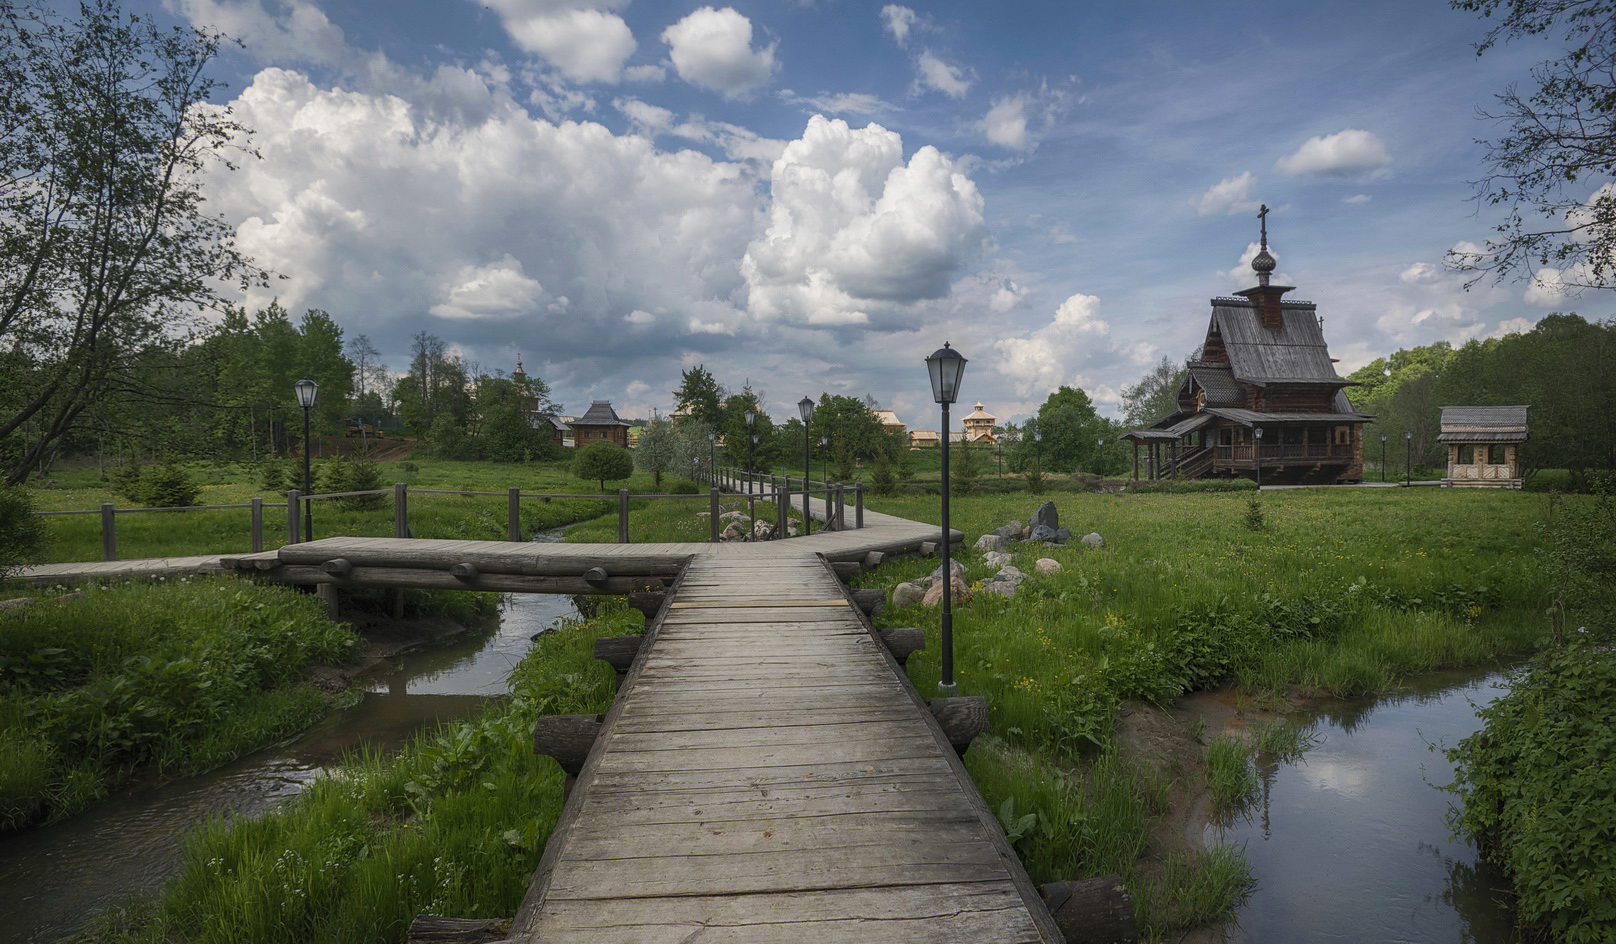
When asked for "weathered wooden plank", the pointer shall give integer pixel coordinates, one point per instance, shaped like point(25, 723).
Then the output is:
point(764, 716)
point(853, 837)
point(808, 801)
point(853, 732)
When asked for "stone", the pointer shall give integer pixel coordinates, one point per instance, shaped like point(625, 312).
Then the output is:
point(739, 517)
point(1042, 532)
point(732, 532)
point(907, 594)
point(1008, 572)
point(954, 567)
point(1046, 565)
point(1011, 531)
point(1063, 535)
point(934, 595)
point(988, 542)
point(762, 530)
point(997, 559)
point(1093, 539)
point(1026, 532)
point(873, 559)
point(1046, 515)
point(1005, 582)
point(703, 515)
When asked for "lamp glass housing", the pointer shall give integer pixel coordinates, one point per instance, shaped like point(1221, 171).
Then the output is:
point(1258, 432)
point(1408, 434)
point(805, 407)
point(947, 368)
point(307, 390)
point(750, 416)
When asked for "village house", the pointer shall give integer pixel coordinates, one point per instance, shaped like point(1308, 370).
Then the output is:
point(1484, 445)
point(1262, 400)
point(600, 422)
point(889, 422)
point(978, 428)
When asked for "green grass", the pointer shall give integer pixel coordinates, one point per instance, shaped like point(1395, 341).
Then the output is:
point(452, 825)
point(1229, 773)
point(172, 677)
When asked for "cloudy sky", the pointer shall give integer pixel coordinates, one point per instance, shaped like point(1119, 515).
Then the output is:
point(815, 195)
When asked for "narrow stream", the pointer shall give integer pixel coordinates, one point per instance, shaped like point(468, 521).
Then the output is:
point(1349, 842)
point(54, 879)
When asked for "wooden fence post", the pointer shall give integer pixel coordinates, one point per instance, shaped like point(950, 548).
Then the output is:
point(257, 524)
point(780, 513)
point(514, 514)
point(622, 516)
point(858, 504)
point(712, 516)
point(294, 518)
point(109, 532)
point(401, 510)
point(841, 508)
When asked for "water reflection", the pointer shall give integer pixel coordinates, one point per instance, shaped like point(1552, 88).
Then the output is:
point(52, 880)
point(1350, 842)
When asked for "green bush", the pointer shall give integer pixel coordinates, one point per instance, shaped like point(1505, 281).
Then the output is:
point(169, 486)
point(22, 533)
point(683, 487)
point(126, 480)
point(1551, 480)
point(1539, 792)
point(272, 476)
point(603, 461)
point(346, 475)
point(1190, 486)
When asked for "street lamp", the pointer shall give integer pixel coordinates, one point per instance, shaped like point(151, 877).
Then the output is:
point(1408, 463)
point(307, 390)
point(805, 407)
point(712, 455)
point(947, 367)
point(1383, 458)
point(1099, 457)
point(1258, 451)
point(752, 444)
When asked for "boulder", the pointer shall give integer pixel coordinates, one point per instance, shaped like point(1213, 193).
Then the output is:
point(954, 567)
point(1046, 515)
point(1046, 565)
point(1093, 539)
point(1042, 532)
point(1010, 573)
point(1063, 535)
point(997, 559)
point(907, 594)
point(989, 542)
point(934, 595)
point(1005, 582)
point(732, 532)
point(703, 515)
point(762, 530)
point(1011, 531)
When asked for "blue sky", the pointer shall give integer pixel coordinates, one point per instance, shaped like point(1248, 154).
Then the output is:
point(816, 195)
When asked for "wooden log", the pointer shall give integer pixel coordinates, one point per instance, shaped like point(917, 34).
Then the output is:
point(871, 601)
point(430, 929)
point(902, 641)
point(1093, 911)
point(464, 571)
point(268, 563)
point(387, 577)
point(524, 559)
point(873, 559)
point(596, 575)
point(337, 567)
point(619, 653)
point(648, 602)
point(568, 739)
point(929, 548)
point(961, 719)
point(846, 570)
point(328, 594)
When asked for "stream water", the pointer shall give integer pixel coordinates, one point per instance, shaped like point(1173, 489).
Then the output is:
point(54, 879)
point(1349, 843)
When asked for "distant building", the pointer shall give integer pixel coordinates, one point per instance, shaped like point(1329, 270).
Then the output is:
point(889, 421)
point(978, 427)
point(537, 417)
point(1484, 445)
point(924, 437)
point(600, 422)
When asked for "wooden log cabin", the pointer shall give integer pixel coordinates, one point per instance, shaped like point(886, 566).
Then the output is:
point(1484, 445)
point(601, 422)
point(1262, 393)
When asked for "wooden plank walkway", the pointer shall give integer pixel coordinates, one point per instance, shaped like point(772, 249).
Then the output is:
point(45, 575)
point(768, 775)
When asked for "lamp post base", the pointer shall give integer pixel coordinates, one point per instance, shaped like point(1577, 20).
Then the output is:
point(947, 689)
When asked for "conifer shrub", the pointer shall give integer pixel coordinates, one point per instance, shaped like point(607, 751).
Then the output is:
point(169, 486)
point(22, 533)
point(881, 481)
point(126, 480)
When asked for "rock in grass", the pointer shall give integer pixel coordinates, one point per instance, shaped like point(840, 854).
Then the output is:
point(1005, 582)
point(907, 594)
point(1047, 516)
point(988, 542)
point(954, 567)
point(997, 559)
point(1093, 539)
point(1011, 531)
point(1044, 533)
point(1046, 565)
point(961, 592)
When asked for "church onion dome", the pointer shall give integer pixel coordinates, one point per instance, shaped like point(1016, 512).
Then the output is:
point(1263, 263)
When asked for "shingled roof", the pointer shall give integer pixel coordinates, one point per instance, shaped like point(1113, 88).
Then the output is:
point(1493, 424)
point(1294, 353)
point(1218, 382)
point(600, 413)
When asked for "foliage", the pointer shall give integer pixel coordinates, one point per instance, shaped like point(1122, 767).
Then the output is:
point(23, 536)
point(169, 486)
point(851, 426)
point(964, 468)
point(738, 434)
point(176, 676)
point(1155, 395)
point(272, 476)
point(126, 480)
point(1549, 169)
point(1033, 472)
point(347, 475)
point(1070, 427)
point(1536, 789)
point(1191, 486)
point(881, 481)
point(700, 397)
point(1254, 514)
point(103, 238)
point(656, 451)
point(683, 487)
point(602, 461)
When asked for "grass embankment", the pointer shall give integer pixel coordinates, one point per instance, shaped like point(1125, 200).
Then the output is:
point(178, 534)
point(452, 825)
point(164, 678)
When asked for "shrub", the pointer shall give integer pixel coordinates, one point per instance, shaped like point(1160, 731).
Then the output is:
point(1182, 486)
point(1254, 515)
point(169, 486)
point(1035, 477)
point(1535, 784)
point(683, 487)
point(603, 461)
point(964, 469)
point(126, 480)
point(22, 533)
point(881, 481)
point(272, 476)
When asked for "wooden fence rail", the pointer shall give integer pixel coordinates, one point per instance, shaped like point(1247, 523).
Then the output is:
point(770, 489)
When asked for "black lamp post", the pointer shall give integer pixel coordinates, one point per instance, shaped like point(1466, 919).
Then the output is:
point(947, 367)
point(751, 445)
point(1257, 451)
point(306, 392)
point(805, 407)
point(1099, 456)
point(1383, 458)
point(1408, 463)
point(712, 455)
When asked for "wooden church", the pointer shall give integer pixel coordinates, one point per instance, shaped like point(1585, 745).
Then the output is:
point(1262, 400)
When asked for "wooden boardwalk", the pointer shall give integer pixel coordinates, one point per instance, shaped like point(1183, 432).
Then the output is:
point(768, 775)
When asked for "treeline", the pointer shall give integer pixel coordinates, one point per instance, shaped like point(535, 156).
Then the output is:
point(1564, 369)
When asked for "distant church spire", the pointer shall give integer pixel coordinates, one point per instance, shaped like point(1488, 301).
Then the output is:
point(1263, 263)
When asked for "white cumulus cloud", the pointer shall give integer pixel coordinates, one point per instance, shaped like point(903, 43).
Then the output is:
point(1229, 195)
point(1006, 122)
point(1055, 354)
point(496, 290)
point(585, 45)
point(898, 20)
point(933, 73)
point(712, 48)
point(855, 233)
point(1343, 154)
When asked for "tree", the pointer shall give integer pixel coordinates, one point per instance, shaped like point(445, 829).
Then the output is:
point(105, 249)
point(851, 427)
point(656, 451)
point(1155, 395)
point(700, 397)
point(1559, 144)
point(1070, 426)
point(23, 536)
point(603, 460)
